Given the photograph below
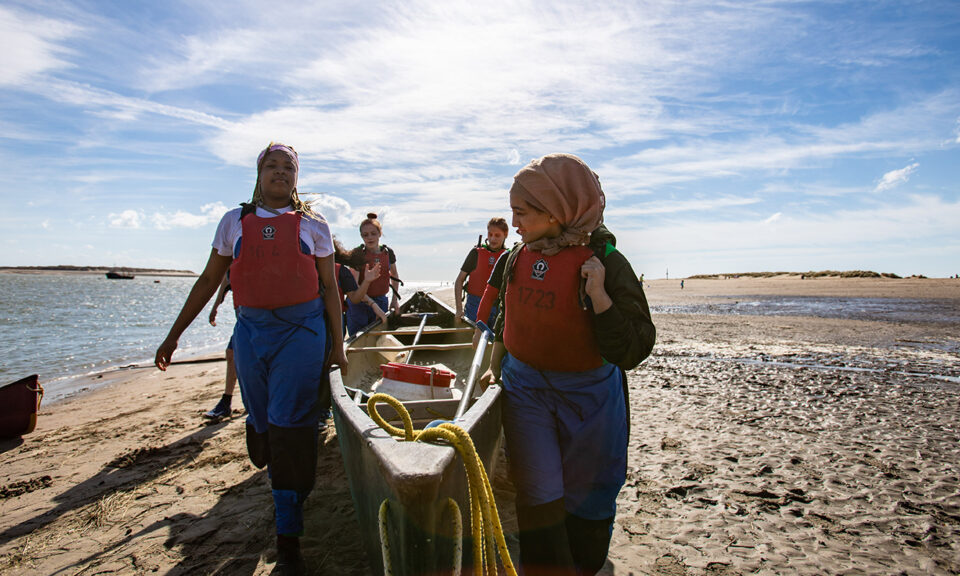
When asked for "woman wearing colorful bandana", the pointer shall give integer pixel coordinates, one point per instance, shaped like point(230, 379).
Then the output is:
point(280, 256)
point(573, 318)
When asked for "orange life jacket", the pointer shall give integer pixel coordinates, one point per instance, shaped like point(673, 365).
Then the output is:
point(486, 258)
point(271, 270)
point(545, 325)
point(381, 285)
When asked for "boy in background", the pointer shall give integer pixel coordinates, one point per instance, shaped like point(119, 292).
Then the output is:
point(477, 266)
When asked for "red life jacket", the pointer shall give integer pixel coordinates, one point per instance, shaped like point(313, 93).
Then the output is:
point(271, 271)
point(381, 285)
point(486, 258)
point(545, 326)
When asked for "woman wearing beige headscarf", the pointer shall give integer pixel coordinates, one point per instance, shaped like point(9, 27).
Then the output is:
point(573, 317)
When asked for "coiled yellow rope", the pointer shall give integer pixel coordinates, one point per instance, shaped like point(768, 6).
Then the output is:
point(484, 520)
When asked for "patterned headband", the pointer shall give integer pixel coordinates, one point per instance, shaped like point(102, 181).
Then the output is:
point(288, 150)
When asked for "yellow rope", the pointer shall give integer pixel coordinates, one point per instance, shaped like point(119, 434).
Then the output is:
point(484, 520)
point(384, 540)
point(455, 517)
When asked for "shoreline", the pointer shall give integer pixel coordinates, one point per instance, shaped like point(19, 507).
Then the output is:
point(759, 445)
point(96, 272)
point(659, 292)
point(68, 387)
point(669, 291)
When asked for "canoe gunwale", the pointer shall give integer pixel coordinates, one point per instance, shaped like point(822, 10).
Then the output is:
point(408, 465)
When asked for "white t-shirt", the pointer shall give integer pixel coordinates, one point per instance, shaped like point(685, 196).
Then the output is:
point(314, 233)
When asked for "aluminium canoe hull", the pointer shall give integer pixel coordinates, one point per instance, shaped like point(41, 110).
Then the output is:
point(416, 479)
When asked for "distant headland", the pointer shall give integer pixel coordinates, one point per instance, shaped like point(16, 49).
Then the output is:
point(67, 269)
point(811, 274)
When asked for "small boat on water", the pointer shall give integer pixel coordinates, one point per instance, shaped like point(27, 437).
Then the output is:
point(119, 275)
point(415, 478)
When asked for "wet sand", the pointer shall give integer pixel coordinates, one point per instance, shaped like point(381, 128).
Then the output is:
point(759, 445)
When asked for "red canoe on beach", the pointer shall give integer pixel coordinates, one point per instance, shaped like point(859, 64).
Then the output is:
point(19, 403)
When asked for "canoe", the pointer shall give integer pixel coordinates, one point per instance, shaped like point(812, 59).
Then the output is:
point(415, 478)
point(19, 403)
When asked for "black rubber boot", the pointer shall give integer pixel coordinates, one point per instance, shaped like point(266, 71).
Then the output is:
point(258, 447)
point(544, 545)
point(289, 559)
point(589, 543)
point(293, 458)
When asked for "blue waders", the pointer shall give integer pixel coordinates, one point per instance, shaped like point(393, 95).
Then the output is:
point(279, 355)
point(566, 434)
point(471, 307)
point(359, 315)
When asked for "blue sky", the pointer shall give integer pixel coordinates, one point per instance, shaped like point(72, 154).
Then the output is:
point(728, 136)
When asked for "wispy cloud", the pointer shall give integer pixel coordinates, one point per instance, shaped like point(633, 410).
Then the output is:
point(130, 219)
point(697, 115)
point(895, 178)
point(209, 213)
point(32, 45)
point(677, 206)
point(924, 225)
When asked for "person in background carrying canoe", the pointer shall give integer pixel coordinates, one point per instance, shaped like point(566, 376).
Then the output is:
point(573, 317)
point(370, 253)
point(279, 252)
point(478, 265)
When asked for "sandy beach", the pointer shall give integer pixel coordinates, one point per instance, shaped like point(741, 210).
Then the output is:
point(759, 445)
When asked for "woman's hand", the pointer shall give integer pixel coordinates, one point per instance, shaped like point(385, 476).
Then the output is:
point(338, 356)
point(487, 378)
point(165, 353)
point(379, 313)
point(372, 272)
point(213, 316)
point(596, 274)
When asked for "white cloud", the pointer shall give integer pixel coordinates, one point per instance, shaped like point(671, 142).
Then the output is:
point(677, 206)
point(124, 108)
point(30, 45)
point(422, 111)
point(336, 210)
point(203, 59)
point(125, 219)
point(904, 237)
point(917, 219)
point(209, 213)
point(895, 178)
point(424, 83)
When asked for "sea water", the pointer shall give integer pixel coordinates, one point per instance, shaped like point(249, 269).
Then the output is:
point(61, 326)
